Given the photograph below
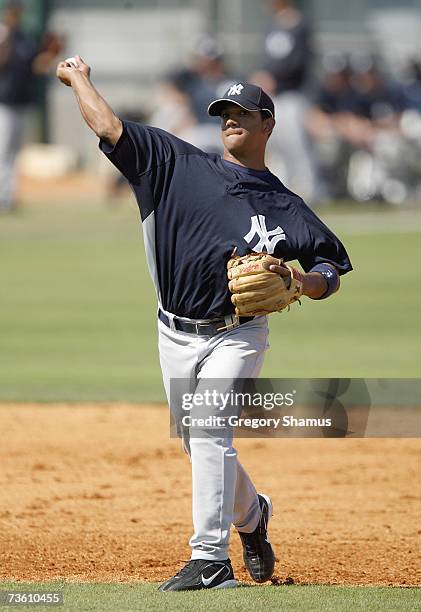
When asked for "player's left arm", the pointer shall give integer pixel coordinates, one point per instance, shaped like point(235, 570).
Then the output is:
point(322, 256)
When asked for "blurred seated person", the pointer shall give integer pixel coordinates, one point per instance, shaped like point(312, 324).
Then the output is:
point(411, 84)
point(388, 161)
point(339, 107)
point(382, 99)
point(185, 95)
point(356, 123)
point(336, 124)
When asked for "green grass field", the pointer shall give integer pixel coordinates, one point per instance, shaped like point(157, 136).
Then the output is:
point(78, 311)
point(119, 597)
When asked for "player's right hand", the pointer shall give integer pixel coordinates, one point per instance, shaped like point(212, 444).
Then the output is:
point(66, 69)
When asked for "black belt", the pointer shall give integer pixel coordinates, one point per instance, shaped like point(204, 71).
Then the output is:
point(201, 329)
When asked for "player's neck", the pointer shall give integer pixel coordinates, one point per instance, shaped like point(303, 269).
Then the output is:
point(254, 162)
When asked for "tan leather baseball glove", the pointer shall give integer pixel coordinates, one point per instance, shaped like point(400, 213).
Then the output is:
point(258, 291)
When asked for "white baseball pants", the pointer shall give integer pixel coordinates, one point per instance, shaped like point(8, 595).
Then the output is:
point(11, 130)
point(222, 492)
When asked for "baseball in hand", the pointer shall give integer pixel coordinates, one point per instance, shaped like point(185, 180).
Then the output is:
point(72, 61)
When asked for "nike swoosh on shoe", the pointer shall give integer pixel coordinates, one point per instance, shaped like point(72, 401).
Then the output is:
point(208, 581)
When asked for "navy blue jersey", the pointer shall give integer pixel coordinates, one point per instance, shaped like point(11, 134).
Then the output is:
point(196, 209)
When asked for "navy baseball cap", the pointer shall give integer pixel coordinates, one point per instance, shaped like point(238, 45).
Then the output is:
point(250, 97)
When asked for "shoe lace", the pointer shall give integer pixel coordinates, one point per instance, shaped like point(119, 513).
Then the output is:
point(185, 570)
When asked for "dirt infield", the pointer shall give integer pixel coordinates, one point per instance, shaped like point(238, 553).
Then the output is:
point(99, 493)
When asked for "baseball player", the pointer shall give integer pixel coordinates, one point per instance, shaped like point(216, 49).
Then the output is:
point(197, 209)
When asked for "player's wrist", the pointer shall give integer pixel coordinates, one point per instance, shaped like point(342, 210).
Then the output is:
point(314, 285)
point(322, 281)
point(77, 77)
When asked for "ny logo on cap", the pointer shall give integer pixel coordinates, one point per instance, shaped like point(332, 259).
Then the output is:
point(236, 90)
point(268, 239)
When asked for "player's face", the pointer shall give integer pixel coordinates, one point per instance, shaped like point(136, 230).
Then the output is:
point(242, 130)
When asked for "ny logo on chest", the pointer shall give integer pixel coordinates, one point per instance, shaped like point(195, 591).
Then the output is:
point(268, 239)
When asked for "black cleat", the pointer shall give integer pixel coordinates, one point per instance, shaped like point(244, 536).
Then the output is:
point(258, 554)
point(201, 574)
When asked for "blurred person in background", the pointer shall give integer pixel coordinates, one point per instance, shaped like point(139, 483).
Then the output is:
point(288, 58)
point(21, 57)
point(336, 124)
point(411, 84)
point(382, 99)
point(356, 124)
point(411, 124)
point(379, 169)
point(185, 94)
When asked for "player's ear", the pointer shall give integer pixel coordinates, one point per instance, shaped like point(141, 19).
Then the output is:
point(268, 125)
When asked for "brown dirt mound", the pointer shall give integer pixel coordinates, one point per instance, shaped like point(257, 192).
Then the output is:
point(74, 187)
point(100, 493)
